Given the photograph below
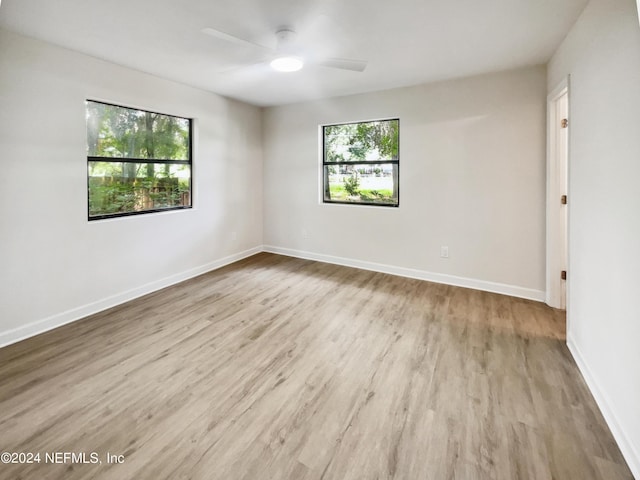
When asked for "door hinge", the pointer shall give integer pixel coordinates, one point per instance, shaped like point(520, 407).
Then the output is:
point(563, 199)
point(563, 274)
point(564, 123)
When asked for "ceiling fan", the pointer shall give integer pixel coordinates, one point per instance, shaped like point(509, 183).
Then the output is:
point(288, 55)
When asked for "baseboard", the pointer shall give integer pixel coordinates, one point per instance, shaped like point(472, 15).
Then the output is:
point(57, 320)
point(629, 452)
point(511, 290)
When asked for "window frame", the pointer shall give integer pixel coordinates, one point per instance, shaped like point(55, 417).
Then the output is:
point(92, 158)
point(324, 164)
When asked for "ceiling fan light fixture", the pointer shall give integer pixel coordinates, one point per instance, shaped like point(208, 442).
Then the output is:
point(287, 64)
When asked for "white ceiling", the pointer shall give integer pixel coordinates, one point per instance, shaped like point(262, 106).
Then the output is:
point(406, 42)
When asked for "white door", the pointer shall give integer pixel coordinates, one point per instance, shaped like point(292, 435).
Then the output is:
point(563, 154)
point(557, 197)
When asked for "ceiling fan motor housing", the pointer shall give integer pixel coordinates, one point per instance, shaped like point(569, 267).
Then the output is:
point(286, 39)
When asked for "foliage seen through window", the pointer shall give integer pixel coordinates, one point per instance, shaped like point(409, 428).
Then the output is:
point(361, 163)
point(138, 161)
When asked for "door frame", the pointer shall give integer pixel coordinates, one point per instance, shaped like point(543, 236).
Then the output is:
point(554, 256)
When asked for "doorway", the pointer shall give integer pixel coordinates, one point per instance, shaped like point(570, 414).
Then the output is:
point(558, 196)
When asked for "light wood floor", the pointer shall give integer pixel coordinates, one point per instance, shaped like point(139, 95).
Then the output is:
point(280, 368)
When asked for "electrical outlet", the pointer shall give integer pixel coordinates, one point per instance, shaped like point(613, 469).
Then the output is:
point(234, 236)
point(444, 252)
point(304, 233)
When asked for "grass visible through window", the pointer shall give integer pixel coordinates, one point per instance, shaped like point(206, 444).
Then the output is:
point(361, 163)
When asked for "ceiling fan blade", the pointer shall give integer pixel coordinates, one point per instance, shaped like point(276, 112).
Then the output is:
point(231, 38)
point(343, 64)
point(254, 67)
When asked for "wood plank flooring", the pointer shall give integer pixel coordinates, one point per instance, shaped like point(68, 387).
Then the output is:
point(281, 368)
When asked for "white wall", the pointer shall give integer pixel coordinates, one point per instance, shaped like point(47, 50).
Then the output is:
point(55, 266)
point(472, 177)
point(602, 55)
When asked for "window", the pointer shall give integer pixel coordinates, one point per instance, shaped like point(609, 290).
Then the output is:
point(361, 163)
point(137, 161)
